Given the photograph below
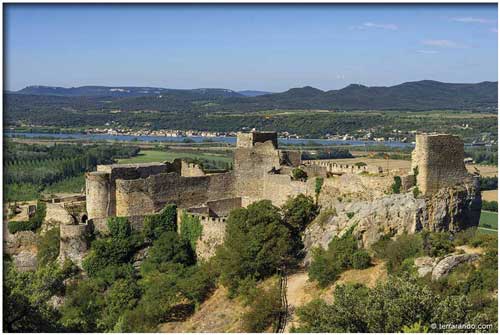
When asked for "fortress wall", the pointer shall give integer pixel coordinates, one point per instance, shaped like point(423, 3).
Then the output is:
point(278, 188)
point(291, 157)
point(250, 167)
point(248, 140)
point(213, 233)
point(74, 243)
point(354, 186)
point(149, 195)
point(440, 162)
point(98, 194)
point(223, 207)
point(191, 170)
point(315, 171)
point(337, 168)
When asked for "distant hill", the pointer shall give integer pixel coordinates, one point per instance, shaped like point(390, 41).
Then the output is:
point(123, 91)
point(94, 104)
point(250, 93)
point(418, 95)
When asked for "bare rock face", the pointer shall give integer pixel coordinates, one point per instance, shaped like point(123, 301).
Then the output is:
point(139, 257)
point(425, 265)
point(449, 209)
point(22, 247)
point(453, 209)
point(447, 264)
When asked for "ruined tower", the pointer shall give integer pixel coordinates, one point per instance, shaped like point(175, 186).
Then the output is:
point(439, 160)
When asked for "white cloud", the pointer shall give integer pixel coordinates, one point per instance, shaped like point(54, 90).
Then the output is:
point(427, 51)
point(469, 19)
point(388, 26)
point(443, 44)
point(385, 26)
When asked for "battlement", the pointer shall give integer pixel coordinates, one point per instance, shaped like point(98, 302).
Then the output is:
point(248, 140)
point(438, 160)
point(336, 168)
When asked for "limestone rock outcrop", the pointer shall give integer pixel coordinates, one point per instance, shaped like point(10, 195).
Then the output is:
point(425, 265)
point(447, 264)
point(449, 209)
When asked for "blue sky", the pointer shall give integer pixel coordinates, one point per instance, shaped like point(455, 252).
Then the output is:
point(263, 47)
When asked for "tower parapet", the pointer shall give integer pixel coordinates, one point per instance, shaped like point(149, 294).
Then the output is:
point(248, 140)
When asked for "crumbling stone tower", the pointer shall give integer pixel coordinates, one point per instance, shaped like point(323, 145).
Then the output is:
point(439, 159)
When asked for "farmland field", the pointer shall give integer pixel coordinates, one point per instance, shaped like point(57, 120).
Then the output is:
point(149, 156)
point(488, 222)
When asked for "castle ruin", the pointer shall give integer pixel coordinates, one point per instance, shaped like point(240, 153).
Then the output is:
point(263, 171)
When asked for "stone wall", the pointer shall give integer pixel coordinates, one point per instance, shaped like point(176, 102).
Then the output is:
point(149, 195)
point(279, 187)
point(213, 233)
point(440, 162)
point(337, 168)
point(191, 170)
point(222, 207)
point(248, 140)
point(250, 167)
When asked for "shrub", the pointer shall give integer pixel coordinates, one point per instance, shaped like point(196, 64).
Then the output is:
point(318, 184)
point(464, 237)
point(119, 227)
point(264, 310)
point(360, 259)
point(257, 242)
point(396, 186)
point(106, 252)
point(396, 251)
point(416, 192)
point(299, 174)
point(359, 164)
point(48, 247)
point(437, 243)
point(156, 224)
point(299, 211)
point(191, 228)
point(168, 248)
point(323, 269)
point(490, 206)
point(341, 255)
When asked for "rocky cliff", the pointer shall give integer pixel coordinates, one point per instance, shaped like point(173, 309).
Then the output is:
point(450, 209)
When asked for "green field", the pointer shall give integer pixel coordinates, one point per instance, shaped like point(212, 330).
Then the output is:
point(149, 156)
point(488, 222)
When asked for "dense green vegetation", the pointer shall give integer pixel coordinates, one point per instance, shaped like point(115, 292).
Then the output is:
point(491, 206)
point(307, 112)
point(488, 183)
point(406, 301)
point(117, 295)
point(29, 169)
point(33, 223)
point(342, 254)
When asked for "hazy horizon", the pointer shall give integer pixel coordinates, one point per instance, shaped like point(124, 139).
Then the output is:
point(248, 47)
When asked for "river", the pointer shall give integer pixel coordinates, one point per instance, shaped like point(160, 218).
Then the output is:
point(197, 139)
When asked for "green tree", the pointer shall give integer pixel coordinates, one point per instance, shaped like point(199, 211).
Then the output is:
point(257, 242)
point(168, 248)
point(299, 211)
